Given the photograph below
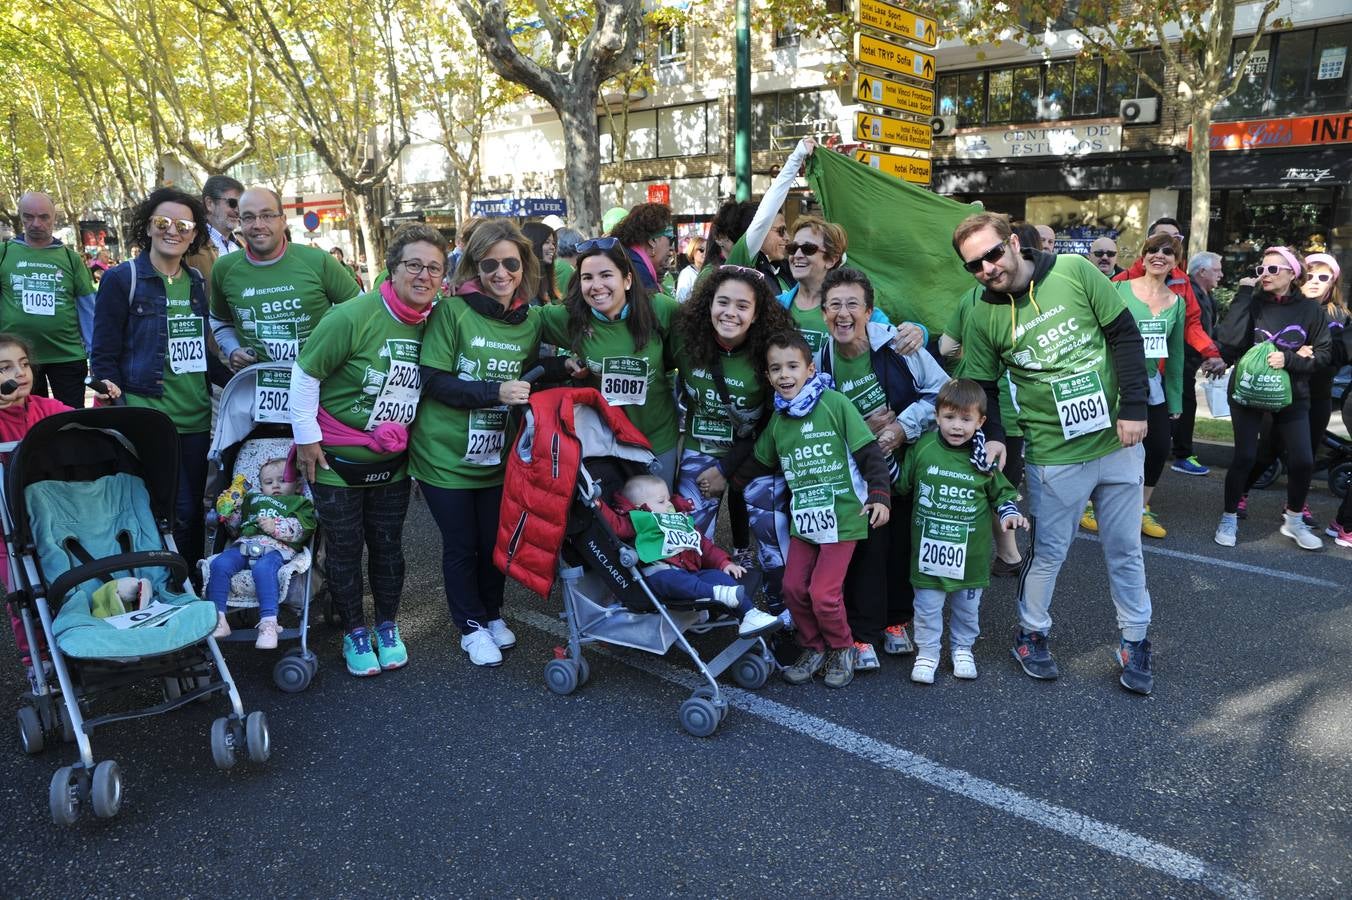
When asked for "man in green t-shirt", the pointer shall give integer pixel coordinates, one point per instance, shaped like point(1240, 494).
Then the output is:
point(266, 300)
point(1075, 358)
point(47, 297)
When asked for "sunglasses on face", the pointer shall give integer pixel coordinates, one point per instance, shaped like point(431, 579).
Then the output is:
point(1321, 277)
point(162, 224)
point(991, 256)
point(782, 231)
point(743, 270)
point(232, 202)
point(1167, 250)
point(1109, 254)
point(807, 248)
point(1260, 271)
point(601, 243)
point(489, 266)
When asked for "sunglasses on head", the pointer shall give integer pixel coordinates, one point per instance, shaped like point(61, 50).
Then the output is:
point(1166, 249)
point(1321, 277)
point(601, 243)
point(1105, 253)
point(1260, 270)
point(489, 266)
point(743, 270)
point(807, 248)
point(164, 223)
point(991, 256)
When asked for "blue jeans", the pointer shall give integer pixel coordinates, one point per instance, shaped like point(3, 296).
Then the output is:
point(265, 570)
point(964, 607)
point(678, 584)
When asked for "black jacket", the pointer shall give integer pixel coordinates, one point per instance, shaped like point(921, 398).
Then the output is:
point(1257, 316)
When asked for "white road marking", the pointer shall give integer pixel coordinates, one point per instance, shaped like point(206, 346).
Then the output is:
point(1227, 564)
point(1117, 841)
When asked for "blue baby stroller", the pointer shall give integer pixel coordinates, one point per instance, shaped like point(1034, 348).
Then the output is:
point(89, 495)
point(252, 427)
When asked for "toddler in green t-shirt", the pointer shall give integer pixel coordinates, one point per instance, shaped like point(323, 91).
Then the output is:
point(955, 489)
point(273, 524)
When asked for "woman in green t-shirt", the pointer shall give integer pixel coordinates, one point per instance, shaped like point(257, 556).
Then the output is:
point(479, 343)
point(620, 333)
point(354, 393)
point(149, 342)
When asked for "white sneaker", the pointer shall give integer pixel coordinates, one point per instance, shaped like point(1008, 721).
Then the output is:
point(1227, 531)
point(757, 624)
point(922, 672)
point(1294, 527)
point(222, 626)
point(267, 633)
point(482, 649)
point(964, 664)
point(502, 635)
point(730, 595)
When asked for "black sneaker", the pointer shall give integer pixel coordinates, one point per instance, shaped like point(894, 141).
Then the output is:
point(1134, 658)
point(1033, 656)
point(801, 672)
point(839, 668)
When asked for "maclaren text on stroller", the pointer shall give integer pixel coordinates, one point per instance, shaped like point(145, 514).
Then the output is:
point(574, 450)
point(88, 495)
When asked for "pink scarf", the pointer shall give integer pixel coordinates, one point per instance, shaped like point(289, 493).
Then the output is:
point(647, 263)
point(387, 437)
point(15, 420)
point(404, 312)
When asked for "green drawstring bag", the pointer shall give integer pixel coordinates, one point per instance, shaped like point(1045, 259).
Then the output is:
point(1256, 384)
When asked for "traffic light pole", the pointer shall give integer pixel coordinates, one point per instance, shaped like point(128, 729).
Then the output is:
point(742, 143)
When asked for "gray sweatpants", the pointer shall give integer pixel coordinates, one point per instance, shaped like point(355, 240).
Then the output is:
point(1056, 499)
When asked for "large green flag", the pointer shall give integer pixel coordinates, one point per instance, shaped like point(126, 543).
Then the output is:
point(900, 235)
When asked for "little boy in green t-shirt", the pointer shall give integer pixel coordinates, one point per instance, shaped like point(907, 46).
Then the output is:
point(955, 489)
point(838, 486)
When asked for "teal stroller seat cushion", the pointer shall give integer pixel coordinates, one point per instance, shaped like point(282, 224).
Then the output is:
point(108, 517)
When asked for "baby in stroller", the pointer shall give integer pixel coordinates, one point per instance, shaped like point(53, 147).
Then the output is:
point(678, 562)
point(273, 524)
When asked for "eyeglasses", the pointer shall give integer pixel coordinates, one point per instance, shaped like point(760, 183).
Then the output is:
point(1105, 253)
point(1166, 250)
point(416, 267)
point(743, 270)
point(232, 202)
point(267, 218)
point(991, 256)
point(162, 224)
point(1321, 277)
point(807, 248)
point(489, 266)
point(601, 243)
point(1260, 271)
point(835, 306)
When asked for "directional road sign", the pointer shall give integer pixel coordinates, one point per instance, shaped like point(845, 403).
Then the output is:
point(887, 130)
point(894, 95)
point(911, 168)
point(872, 51)
point(897, 21)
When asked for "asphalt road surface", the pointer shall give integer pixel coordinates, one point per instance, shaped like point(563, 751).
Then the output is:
point(1233, 779)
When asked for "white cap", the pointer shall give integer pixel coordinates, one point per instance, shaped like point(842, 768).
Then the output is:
point(553, 222)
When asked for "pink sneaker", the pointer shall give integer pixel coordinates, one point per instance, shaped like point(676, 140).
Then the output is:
point(1340, 537)
point(267, 633)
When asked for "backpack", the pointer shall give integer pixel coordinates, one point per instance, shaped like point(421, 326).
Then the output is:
point(1256, 384)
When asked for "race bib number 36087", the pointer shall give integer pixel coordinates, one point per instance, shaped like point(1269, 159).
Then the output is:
point(624, 380)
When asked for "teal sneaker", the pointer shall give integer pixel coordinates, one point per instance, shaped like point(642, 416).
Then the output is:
point(357, 653)
point(389, 647)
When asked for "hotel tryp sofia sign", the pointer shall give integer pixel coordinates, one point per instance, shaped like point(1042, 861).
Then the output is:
point(1058, 140)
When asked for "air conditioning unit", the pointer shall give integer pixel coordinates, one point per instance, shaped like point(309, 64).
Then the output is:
point(1140, 111)
point(942, 125)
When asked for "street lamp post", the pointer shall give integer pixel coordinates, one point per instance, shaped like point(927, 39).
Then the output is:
point(742, 143)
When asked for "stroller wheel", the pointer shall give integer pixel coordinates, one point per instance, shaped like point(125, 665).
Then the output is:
point(699, 716)
point(583, 671)
point(173, 688)
point(292, 674)
point(67, 724)
point(63, 797)
point(222, 744)
point(562, 676)
point(105, 794)
point(751, 671)
point(256, 737)
point(30, 730)
point(1270, 475)
point(1340, 476)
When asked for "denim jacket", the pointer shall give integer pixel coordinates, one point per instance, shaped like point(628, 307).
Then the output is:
point(131, 337)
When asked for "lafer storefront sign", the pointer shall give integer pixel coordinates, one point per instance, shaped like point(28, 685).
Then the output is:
point(1264, 134)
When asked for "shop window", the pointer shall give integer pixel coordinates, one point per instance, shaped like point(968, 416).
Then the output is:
point(671, 44)
point(1329, 69)
point(764, 113)
point(1000, 96)
point(1151, 64)
point(946, 96)
point(681, 131)
point(1251, 95)
point(1086, 102)
point(787, 36)
point(1291, 71)
point(1027, 88)
point(1056, 96)
point(970, 94)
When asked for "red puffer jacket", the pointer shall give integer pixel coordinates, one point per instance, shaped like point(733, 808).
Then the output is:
point(537, 495)
point(709, 555)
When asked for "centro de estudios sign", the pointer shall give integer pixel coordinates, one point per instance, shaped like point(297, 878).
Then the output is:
point(1056, 140)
